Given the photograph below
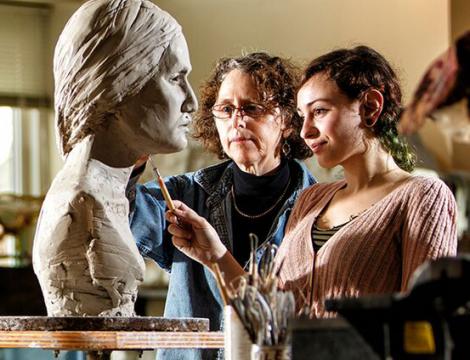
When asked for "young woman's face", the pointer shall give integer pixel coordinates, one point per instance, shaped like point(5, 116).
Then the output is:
point(252, 142)
point(159, 116)
point(332, 122)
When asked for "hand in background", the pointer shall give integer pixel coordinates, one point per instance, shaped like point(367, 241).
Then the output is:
point(434, 88)
point(193, 235)
point(446, 82)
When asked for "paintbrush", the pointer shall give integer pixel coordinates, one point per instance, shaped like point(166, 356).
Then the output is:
point(253, 266)
point(226, 298)
point(160, 182)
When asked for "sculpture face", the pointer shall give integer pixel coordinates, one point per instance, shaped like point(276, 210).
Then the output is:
point(157, 119)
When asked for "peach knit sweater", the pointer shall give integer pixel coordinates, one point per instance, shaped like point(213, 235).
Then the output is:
point(376, 252)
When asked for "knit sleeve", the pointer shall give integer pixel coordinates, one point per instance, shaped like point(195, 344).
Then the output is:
point(429, 230)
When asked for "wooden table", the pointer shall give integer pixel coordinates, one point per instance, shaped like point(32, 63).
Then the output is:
point(110, 340)
point(100, 335)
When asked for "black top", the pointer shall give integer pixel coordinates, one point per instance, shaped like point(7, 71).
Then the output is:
point(254, 195)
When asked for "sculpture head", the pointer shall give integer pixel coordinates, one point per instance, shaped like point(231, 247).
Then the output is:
point(123, 63)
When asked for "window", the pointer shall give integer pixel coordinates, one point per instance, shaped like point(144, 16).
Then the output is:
point(24, 104)
point(25, 124)
point(7, 156)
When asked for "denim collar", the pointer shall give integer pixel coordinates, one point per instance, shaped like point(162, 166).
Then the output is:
point(217, 180)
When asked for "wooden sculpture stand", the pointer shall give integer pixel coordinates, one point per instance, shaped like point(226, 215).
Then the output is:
point(98, 336)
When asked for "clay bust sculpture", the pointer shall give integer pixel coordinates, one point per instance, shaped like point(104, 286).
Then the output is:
point(120, 69)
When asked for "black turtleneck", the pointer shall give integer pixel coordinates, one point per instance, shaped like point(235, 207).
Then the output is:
point(253, 196)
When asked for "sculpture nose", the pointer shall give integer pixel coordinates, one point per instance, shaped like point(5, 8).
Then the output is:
point(190, 103)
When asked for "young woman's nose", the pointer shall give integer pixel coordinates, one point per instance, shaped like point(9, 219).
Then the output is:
point(309, 130)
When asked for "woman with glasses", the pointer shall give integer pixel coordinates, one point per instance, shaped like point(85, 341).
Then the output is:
point(247, 116)
point(367, 233)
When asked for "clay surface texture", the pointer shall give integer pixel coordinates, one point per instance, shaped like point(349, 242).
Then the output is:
point(95, 323)
point(84, 253)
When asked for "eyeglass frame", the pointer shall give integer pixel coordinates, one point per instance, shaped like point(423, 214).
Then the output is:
point(241, 110)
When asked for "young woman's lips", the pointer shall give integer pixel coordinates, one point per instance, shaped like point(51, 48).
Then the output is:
point(317, 147)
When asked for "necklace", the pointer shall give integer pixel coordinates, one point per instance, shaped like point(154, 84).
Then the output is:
point(264, 212)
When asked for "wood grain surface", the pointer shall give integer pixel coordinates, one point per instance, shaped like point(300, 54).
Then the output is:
point(110, 340)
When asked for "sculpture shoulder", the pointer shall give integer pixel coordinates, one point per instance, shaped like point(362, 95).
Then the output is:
point(65, 215)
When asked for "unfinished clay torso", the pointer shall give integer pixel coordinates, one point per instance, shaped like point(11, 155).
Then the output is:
point(84, 254)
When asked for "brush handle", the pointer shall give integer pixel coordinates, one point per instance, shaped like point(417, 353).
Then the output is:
point(165, 193)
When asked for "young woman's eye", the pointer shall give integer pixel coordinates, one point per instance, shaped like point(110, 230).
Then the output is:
point(319, 112)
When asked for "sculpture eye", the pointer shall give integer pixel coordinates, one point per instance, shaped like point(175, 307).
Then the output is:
point(176, 77)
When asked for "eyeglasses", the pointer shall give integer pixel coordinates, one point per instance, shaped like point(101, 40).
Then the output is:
point(226, 111)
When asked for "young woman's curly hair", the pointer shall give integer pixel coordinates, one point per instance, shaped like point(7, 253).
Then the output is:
point(357, 70)
point(276, 80)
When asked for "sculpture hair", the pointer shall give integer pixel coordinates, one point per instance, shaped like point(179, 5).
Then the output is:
point(106, 54)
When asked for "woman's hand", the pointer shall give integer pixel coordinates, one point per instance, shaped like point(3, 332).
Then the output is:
point(193, 235)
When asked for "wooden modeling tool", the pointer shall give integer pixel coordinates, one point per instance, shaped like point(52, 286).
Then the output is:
point(160, 181)
point(221, 284)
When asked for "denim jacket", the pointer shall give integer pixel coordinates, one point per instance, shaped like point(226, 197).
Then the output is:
point(192, 289)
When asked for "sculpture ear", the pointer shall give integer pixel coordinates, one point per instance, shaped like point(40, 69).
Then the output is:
point(371, 107)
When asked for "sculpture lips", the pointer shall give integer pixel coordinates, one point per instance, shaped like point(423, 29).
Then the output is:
point(186, 120)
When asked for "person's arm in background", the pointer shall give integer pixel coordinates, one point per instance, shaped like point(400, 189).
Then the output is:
point(430, 228)
point(197, 239)
point(446, 82)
